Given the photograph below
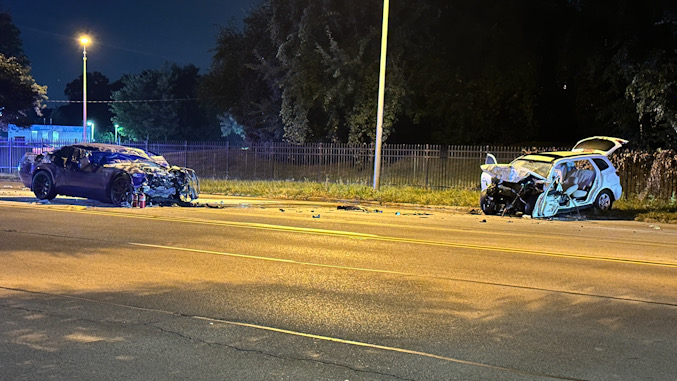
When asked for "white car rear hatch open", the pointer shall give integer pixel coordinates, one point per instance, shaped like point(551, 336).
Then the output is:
point(603, 145)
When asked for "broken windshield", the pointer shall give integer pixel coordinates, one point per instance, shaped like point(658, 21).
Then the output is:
point(538, 167)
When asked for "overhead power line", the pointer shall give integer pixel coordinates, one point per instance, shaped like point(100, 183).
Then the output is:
point(127, 101)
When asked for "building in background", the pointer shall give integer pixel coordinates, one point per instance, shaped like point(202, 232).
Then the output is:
point(46, 132)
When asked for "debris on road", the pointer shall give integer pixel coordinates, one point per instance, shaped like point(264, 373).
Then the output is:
point(351, 207)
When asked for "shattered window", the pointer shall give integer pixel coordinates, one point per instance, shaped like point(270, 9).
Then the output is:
point(539, 167)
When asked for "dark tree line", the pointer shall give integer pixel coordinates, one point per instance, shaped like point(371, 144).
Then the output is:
point(459, 71)
point(20, 97)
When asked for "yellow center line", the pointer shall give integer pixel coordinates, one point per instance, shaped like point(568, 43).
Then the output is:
point(381, 347)
point(270, 259)
point(301, 334)
point(526, 251)
point(339, 233)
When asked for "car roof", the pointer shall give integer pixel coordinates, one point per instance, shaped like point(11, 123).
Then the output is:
point(103, 147)
point(549, 157)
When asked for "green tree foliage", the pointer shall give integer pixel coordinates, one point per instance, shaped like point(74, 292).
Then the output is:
point(20, 97)
point(10, 40)
point(99, 89)
point(142, 105)
point(304, 71)
point(161, 104)
point(243, 80)
point(459, 72)
point(653, 91)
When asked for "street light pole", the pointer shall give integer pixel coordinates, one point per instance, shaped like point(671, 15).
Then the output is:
point(381, 96)
point(84, 40)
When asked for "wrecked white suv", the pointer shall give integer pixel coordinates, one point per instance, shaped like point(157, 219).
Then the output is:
point(547, 183)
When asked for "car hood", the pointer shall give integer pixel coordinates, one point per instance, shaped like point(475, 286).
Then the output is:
point(506, 172)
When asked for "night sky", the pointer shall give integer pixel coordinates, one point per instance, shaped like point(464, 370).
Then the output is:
point(129, 35)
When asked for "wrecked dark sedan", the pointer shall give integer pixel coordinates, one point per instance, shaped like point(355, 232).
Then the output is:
point(108, 173)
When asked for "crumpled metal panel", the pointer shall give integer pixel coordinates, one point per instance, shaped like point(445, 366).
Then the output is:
point(506, 172)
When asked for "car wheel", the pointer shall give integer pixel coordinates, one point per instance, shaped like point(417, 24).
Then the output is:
point(531, 204)
point(121, 191)
point(487, 203)
point(604, 200)
point(43, 186)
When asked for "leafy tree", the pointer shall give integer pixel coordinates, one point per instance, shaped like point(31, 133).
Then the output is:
point(20, 97)
point(244, 76)
point(230, 129)
point(142, 106)
point(197, 121)
point(161, 104)
point(19, 94)
point(99, 90)
point(653, 91)
point(10, 40)
point(303, 71)
point(459, 72)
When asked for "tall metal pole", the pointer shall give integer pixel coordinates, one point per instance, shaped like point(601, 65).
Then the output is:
point(84, 91)
point(381, 96)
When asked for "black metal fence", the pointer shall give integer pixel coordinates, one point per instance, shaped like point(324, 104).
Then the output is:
point(430, 166)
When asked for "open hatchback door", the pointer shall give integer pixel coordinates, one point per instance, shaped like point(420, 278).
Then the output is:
point(603, 145)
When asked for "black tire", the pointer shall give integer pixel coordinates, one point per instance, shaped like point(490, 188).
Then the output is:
point(43, 186)
point(531, 204)
point(487, 204)
point(121, 191)
point(604, 201)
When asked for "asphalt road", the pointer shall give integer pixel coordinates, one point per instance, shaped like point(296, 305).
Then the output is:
point(256, 289)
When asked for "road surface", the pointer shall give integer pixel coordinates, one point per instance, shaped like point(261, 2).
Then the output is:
point(257, 289)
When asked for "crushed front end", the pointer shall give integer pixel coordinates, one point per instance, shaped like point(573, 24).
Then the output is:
point(163, 185)
point(512, 190)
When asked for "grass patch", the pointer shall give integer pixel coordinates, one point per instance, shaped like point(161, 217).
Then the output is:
point(291, 190)
point(9, 176)
point(649, 210)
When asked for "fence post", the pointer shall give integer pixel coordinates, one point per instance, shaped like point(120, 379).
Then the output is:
point(9, 144)
point(271, 157)
point(319, 164)
point(425, 162)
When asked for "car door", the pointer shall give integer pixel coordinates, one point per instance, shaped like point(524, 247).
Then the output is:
point(547, 204)
point(485, 178)
point(84, 179)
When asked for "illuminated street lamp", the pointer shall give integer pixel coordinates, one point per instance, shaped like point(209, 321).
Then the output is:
point(90, 123)
point(84, 40)
point(117, 126)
